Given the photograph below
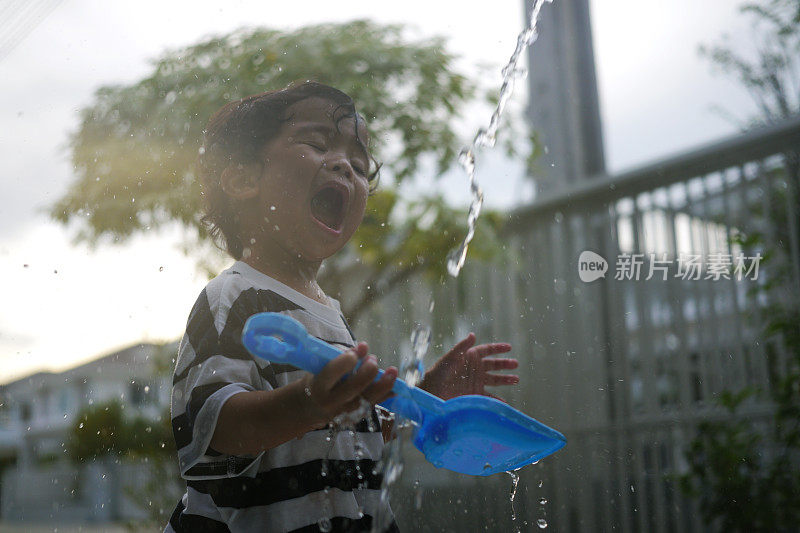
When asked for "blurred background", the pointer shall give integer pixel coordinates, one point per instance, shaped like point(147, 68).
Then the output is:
point(642, 127)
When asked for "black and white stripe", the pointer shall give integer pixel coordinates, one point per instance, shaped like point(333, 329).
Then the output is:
point(285, 488)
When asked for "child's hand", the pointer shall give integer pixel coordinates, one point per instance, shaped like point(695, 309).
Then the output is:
point(465, 370)
point(331, 395)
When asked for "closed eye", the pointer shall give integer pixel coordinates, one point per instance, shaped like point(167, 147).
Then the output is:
point(316, 146)
point(359, 168)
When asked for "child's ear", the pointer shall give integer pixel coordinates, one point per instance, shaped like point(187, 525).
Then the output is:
point(241, 181)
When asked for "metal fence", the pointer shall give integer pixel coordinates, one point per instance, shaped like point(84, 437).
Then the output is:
point(624, 367)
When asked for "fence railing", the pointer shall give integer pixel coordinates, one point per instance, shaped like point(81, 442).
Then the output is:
point(625, 366)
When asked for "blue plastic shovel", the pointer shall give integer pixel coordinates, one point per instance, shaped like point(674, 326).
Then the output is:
point(474, 434)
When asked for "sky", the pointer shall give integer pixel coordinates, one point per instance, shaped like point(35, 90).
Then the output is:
point(66, 304)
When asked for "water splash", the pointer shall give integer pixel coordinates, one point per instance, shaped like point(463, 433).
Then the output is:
point(392, 467)
point(411, 371)
point(324, 523)
point(515, 481)
point(418, 492)
point(411, 365)
point(542, 520)
point(487, 137)
point(344, 422)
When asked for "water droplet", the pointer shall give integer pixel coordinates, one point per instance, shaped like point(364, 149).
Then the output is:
point(418, 496)
point(542, 523)
point(484, 139)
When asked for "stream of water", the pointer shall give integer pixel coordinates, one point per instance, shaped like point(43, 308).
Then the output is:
point(411, 367)
point(487, 137)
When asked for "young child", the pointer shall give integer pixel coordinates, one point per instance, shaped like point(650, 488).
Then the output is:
point(285, 177)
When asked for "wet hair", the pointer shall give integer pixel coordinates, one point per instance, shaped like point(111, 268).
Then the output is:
point(237, 134)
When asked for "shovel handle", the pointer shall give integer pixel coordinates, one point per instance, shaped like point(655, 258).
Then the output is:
point(282, 339)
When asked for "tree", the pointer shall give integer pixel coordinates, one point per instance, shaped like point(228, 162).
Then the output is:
point(99, 430)
point(772, 75)
point(746, 480)
point(134, 151)
point(106, 432)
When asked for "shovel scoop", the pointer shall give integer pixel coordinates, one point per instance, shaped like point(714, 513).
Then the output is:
point(472, 434)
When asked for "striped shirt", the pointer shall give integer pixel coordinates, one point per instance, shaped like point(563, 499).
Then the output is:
point(285, 488)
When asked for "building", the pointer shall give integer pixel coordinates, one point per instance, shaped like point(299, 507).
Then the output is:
point(37, 413)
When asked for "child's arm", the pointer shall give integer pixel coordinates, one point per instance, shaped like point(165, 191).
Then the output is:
point(251, 422)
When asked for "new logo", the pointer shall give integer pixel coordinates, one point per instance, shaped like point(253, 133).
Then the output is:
point(591, 266)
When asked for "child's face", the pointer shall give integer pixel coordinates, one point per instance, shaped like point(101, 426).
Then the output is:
point(314, 188)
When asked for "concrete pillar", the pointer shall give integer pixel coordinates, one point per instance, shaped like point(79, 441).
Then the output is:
point(563, 105)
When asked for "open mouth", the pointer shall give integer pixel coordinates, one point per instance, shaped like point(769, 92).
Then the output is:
point(328, 206)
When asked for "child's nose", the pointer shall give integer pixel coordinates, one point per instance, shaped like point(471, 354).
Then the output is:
point(342, 165)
